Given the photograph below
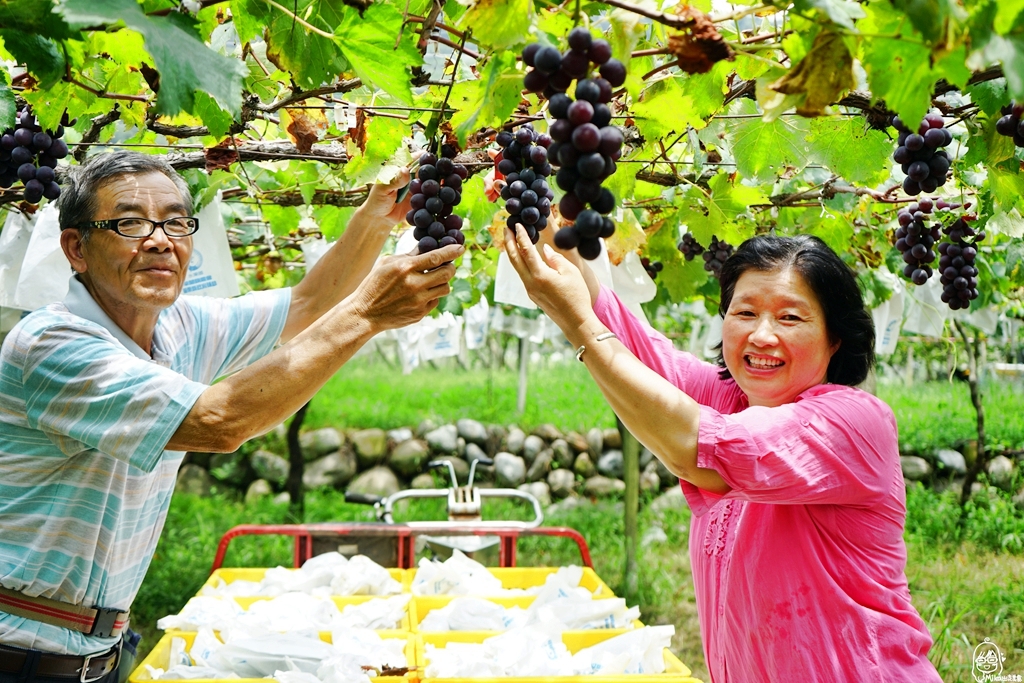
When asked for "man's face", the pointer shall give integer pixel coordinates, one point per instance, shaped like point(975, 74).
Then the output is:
point(143, 273)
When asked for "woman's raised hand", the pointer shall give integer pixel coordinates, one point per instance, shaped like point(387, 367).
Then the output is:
point(553, 282)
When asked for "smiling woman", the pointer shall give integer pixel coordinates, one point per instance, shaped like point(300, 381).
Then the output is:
point(792, 474)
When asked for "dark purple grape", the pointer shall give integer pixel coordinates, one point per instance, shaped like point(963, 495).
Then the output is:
point(436, 230)
point(44, 174)
point(506, 166)
point(560, 81)
point(614, 72)
point(504, 138)
point(517, 188)
point(530, 215)
point(586, 138)
point(23, 136)
point(589, 249)
point(566, 178)
point(524, 136)
point(914, 142)
point(430, 187)
point(600, 51)
point(42, 142)
point(514, 206)
point(934, 137)
point(588, 223)
point(446, 241)
point(580, 39)
point(529, 52)
point(605, 90)
point(567, 238)
point(547, 59)
point(590, 165)
point(588, 90)
point(453, 181)
point(423, 219)
point(611, 140)
point(901, 155)
point(605, 202)
point(538, 155)
point(20, 155)
point(560, 130)
point(602, 115)
point(580, 112)
point(588, 190)
point(453, 222)
point(448, 195)
point(529, 198)
point(27, 172)
point(570, 206)
point(575, 64)
point(8, 142)
point(427, 172)
point(918, 170)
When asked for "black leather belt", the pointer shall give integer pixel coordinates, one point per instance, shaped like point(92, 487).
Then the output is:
point(72, 667)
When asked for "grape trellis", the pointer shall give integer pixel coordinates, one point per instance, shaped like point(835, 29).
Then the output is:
point(734, 119)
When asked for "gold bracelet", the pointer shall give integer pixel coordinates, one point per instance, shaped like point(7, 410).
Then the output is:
point(600, 337)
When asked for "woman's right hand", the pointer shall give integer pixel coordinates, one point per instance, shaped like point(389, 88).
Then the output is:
point(593, 286)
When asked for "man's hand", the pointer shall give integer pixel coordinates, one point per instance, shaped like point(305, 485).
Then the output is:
point(380, 203)
point(400, 290)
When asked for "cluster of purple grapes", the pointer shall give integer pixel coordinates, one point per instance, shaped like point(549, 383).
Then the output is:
point(524, 163)
point(435, 191)
point(1009, 124)
point(689, 247)
point(652, 267)
point(29, 154)
point(585, 146)
point(914, 239)
point(957, 272)
point(715, 257)
point(920, 155)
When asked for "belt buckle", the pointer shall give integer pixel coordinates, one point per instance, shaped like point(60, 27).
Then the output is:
point(83, 676)
point(103, 627)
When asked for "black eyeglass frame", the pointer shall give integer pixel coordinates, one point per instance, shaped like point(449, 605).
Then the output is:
point(112, 223)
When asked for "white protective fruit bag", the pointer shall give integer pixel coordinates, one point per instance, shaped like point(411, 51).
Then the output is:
point(45, 270)
point(211, 272)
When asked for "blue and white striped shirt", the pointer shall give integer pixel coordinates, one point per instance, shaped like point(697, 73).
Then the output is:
point(85, 414)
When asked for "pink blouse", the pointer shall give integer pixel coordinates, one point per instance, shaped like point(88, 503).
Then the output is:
point(798, 570)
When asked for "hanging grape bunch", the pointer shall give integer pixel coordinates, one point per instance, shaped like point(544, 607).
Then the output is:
point(29, 154)
point(689, 247)
point(436, 189)
point(920, 154)
point(715, 257)
point(652, 267)
point(524, 163)
point(957, 272)
point(585, 145)
point(914, 239)
point(1009, 124)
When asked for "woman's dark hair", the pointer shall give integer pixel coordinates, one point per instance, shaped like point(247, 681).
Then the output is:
point(833, 283)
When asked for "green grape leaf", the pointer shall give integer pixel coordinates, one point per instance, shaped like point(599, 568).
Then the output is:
point(679, 277)
point(763, 150)
point(382, 138)
point(1009, 223)
point(368, 43)
point(1009, 51)
point(333, 220)
point(282, 219)
point(250, 18)
point(820, 78)
point(40, 55)
point(215, 118)
point(34, 17)
point(1006, 15)
point(499, 23)
point(1007, 186)
point(489, 100)
point(987, 145)
point(186, 65)
point(843, 12)
point(931, 17)
point(49, 105)
point(627, 30)
point(989, 95)
point(310, 58)
point(8, 105)
point(716, 215)
point(475, 207)
point(850, 149)
point(666, 107)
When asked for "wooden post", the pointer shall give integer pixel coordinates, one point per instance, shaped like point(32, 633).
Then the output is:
point(296, 466)
point(973, 369)
point(524, 364)
point(631, 475)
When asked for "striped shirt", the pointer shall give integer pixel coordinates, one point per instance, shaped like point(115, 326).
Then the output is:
point(85, 414)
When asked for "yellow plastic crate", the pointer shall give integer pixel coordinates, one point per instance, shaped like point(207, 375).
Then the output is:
point(421, 605)
point(232, 574)
point(675, 670)
point(160, 655)
point(529, 577)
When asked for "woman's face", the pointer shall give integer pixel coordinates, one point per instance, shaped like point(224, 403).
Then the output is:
point(774, 340)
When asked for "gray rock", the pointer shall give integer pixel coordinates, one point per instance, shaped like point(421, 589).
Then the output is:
point(584, 466)
point(230, 468)
point(548, 432)
point(496, 435)
point(335, 469)
point(472, 431)
point(915, 468)
point(539, 490)
point(667, 478)
point(460, 447)
point(603, 486)
point(577, 441)
point(654, 535)
point(509, 470)
point(672, 499)
point(283, 498)
point(561, 483)
point(269, 466)
point(422, 481)
point(515, 440)
point(1018, 499)
point(595, 442)
point(650, 481)
point(443, 439)
point(540, 467)
point(460, 465)
point(646, 457)
point(370, 445)
point(397, 436)
point(612, 438)
point(611, 464)
point(378, 481)
point(194, 480)
point(409, 457)
point(951, 460)
point(474, 452)
point(532, 446)
point(427, 425)
point(1000, 472)
point(320, 442)
point(258, 489)
point(562, 454)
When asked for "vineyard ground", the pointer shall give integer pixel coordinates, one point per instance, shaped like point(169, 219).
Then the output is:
point(967, 588)
point(368, 393)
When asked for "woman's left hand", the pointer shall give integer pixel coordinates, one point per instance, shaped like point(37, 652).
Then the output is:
point(553, 283)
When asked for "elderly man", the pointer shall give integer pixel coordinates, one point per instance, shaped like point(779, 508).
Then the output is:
point(101, 395)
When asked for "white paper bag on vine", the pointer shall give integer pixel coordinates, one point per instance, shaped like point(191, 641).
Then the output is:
point(45, 270)
point(14, 241)
point(211, 271)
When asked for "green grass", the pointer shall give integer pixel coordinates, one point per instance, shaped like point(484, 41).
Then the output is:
point(967, 585)
point(368, 394)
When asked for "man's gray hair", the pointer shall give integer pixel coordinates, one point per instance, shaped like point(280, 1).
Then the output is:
point(77, 202)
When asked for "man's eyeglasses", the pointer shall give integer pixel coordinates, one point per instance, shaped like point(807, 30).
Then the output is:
point(181, 226)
